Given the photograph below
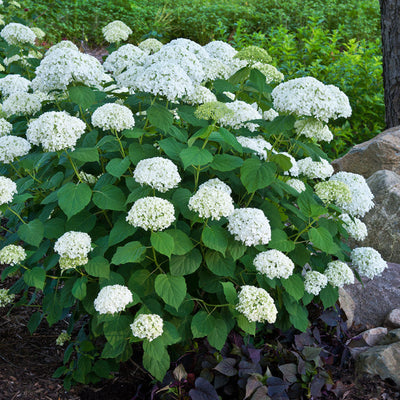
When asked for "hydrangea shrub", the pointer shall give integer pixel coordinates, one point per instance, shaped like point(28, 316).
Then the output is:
point(162, 198)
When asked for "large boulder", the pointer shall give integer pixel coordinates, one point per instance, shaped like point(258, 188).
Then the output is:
point(381, 152)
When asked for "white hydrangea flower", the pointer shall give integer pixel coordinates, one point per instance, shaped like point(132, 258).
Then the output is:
point(360, 192)
point(274, 264)
point(249, 226)
point(114, 117)
point(271, 73)
point(163, 78)
point(64, 44)
point(215, 69)
point(270, 114)
point(12, 254)
point(200, 95)
point(147, 326)
point(88, 178)
point(150, 46)
point(123, 58)
point(243, 112)
point(127, 79)
point(258, 144)
point(311, 98)
point(333, 191)
point(16, 34)
point(5, 127)
point(189, 45)
point(7, 190)
point(212, 200)
point(21, 103)
point(294, 169)
point(62, 338)
point(256, 304)
point(368, 261)
point(354, 227)
point(73, 248)
point(157, 172)
point(339, 273)
point(297, 184)
point(314, 281)
point(221, 50)
point(151, 213)
point(40, 34)
point(22, 59)
point(55, 130)
point(112, 299)
point(13, 83)
point(12, 147)
point(5, 297)
point(313, 129)
point(315, 169)
point(116, 31)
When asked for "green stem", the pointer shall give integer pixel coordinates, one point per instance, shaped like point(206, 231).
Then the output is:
point(15, 213)
point(74, 167)
point(121, 148)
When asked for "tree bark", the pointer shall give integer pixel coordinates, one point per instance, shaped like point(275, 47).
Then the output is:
point(390, 25)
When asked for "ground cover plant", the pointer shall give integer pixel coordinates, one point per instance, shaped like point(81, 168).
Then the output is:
point(175, 192)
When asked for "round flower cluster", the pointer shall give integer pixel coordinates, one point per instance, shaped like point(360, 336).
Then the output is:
point(157, 172)
point(310, 97)
point(114, 117)
point(12, 84)
point(7, 190)
point(313, 129)
point(361, 194)
point(12, 147)
point(12, 254)
point(213, 110)
point(336, 192)
point(73, 248)
point(215, 69)
point(243, 112)
point(315, 169)
point(256, 304)
point(274, 264)
point(5, 127)
point(294, 169)
point(151, 213)
point(62, 338)
point(339, 273)
point(64, 44)
point(40, 34)
point(16, 34)
point(314, 281)
point(150, 46)
point(221, 50)
point(249, 226)
point(212, 200)
point(200, 95)
point(21, 103)
point(258, 144)
point(88, 178)
point(5, 297)
point(254, 54)
point(271, 73)
point(368, 261)
point(297, 185)
point(55, 130)
point(147, 326)
point(112, 299)
point(124, 57)
point(270, 114)
point(116, 31)
point(354, 227)
point(191, 46)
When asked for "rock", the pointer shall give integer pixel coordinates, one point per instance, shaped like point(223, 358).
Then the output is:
point(383, 221)
point(347, 305)
point(381, 360)
point(374, 335)
point(376, 298)
point(392, 337)
point(393, 318)
point(381, 152)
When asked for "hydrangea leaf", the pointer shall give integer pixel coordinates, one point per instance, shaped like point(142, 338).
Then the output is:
point(160, 117)
point(32, 232)
point(246, 325)
point(157, 368)
point(162, 242)
point(321, 239)
point(98, 266)
point(218, 334)
point(280, 241)
point(226, 162)
point(185, 264)
point(195, 156)
point(172, 289)
point(117, 166)
point(215, 238)
point(85, 154)
point(79, 288)
point(110, 198)
point(182, 242)
point(132, 252)
point(73, 198)
point(219, 265)
point(82, 95)
point(117, 330)
point(202, 324)
point(294, 285)
point(35, 277)
point(329, 296)
point(255, 174)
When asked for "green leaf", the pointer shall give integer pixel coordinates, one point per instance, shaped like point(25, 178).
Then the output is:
point(220, 265)
point(162, 242)
point(110, 197)
point(32, 232)
point(155, 349)
point(280, 241)
point(215, 238)
point(321, 239)
point(255, 174)
point(34, 321)
point(195, 156)
point(294, 285)
point(113, 352)
point(82, 95)
point(226, 162)
point(258, 80)
point(137, 194)
point(160, 117)
point(84, 221)
point(79, 288)
point(86, 154)
point(157, 368)
point(172, 289)
point(35, 277)
point(236, 249)
point(120, 231)
point(240, 76)
point(98, 266)
point(73, 198)
point(298, 314)
point(280, 124)
point(185, 264)
point(246, 325)
point(171, 147)
point(116, 167)
point(117, 330)
point(230, 292)
point(134, 133)
point(218, 334)
point(202, 324)
point(309, 206)
point(230, 139)
point(182, 242)
point(283, 161)
point(132, 252)
point(329, 295)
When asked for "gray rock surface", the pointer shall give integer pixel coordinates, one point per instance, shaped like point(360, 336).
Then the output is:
point(348, 306)
point(381, 152)
point(393, 318)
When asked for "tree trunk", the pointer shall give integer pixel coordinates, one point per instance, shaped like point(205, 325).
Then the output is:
point(390, 24)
